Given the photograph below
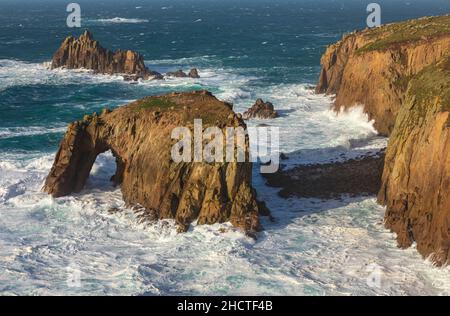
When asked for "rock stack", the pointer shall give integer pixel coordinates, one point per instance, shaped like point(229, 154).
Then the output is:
point(85, 52)
point(139, 136)
point(261, 110)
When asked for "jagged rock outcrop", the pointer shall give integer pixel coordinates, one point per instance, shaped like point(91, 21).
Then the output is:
point(261, 110)
point(193, 73)
point(416, 179)
point(85, 52)
point(372, 68)
point(139, 136)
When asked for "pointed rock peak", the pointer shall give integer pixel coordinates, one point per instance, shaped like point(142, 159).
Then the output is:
point(87, 35)
point(69, 39)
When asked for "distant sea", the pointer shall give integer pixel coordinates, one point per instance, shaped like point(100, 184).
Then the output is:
point(244, 50)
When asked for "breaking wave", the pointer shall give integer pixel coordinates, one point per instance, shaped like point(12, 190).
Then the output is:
point(118, 20)
point(314, 247)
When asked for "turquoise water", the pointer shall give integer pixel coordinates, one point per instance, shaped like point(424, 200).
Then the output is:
point(244, 50)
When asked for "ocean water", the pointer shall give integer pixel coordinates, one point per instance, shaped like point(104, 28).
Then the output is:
point(245, 50)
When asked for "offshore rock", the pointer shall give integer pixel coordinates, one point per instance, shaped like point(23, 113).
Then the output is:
point(139, 136)
point(260, 110)
point(86, 53)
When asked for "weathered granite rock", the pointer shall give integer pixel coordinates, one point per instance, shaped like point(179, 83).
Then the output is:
point(139, 136)
point(416, 179)
point(400, 73)
point(261, 110)
point(372, 68)
point(193, 73)
point(85, 52)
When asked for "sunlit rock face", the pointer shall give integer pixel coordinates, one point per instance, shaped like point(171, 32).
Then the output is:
point(400, 73)
point(86, 53)
point(139, 136)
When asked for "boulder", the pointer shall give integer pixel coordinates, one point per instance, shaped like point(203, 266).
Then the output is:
point(261, 110)
point(193, 73)
point(177, 74)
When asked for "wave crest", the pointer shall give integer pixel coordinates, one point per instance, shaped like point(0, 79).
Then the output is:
point(121, 20)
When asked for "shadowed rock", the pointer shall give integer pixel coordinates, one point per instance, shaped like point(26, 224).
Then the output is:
point(193, 73)
point(85, 52)
point(416, 178)
point(331, 180)
point(139, 136)
point(400, 73)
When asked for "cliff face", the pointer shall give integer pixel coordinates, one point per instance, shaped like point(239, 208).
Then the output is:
point(85, 52)
point(416, 179)
point(139, 136)
point(400, 73)
point(373, 67)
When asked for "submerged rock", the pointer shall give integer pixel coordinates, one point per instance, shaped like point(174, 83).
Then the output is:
point(86, 53)
point(352, 177)
point(193, 73)
point(261, 110)
point(177, 74)
point(139, 136)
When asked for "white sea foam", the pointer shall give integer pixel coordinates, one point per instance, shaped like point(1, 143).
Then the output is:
point(10, 132)
point(19, 73)
point(314, 247)
point(119, 20)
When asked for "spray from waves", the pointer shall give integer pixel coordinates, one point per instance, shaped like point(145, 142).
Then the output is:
point(19, 73)
point(119, 20)
point(306, 120)
point(187, 61)
point(48, 238)
point(11, 132)
point(116, 255)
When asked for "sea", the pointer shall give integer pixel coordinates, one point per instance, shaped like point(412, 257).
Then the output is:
point(244, 50)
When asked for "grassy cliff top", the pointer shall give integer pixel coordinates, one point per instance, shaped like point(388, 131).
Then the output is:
point(432, 84)
point(410, 31)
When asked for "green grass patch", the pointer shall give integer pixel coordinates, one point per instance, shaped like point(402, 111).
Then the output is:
point(431, 83)
point(406, 32)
